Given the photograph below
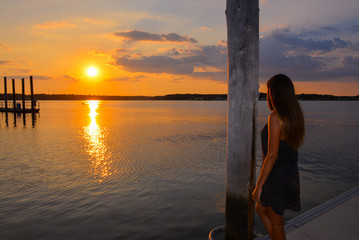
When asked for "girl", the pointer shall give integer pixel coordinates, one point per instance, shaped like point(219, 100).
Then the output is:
point(277, 187)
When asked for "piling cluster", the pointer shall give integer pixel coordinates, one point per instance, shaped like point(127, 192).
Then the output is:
point(24, 106)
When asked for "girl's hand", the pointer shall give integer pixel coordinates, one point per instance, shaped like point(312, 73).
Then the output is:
point(256, 195)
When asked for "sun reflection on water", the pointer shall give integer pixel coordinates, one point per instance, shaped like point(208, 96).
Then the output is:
point(96, 147)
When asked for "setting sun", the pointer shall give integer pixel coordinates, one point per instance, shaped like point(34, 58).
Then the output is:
point(92, 71)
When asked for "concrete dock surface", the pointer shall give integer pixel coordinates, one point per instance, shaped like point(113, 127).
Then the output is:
point(336, 219)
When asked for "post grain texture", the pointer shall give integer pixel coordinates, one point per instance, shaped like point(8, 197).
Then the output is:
point(13, 95)
point(32, 94)
point(23, 94)
point(242, 69)
point(5, 92)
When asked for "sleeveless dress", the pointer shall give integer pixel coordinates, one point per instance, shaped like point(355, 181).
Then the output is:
point(281, 190)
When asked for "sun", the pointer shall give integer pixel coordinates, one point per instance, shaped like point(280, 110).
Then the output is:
point(92, 71)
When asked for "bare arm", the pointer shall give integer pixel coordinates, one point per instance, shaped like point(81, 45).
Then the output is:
point(273, 146)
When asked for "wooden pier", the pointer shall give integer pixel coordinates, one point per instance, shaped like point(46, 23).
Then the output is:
point(19, 106)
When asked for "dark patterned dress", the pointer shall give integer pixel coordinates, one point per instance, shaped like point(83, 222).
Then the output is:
point(281, 190)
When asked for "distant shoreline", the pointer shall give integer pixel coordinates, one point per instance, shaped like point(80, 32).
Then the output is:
point(179, 97)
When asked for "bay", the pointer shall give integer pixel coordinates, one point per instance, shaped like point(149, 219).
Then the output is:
point(147, 169)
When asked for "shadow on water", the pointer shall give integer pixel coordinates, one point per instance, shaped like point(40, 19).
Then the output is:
point(16, 118)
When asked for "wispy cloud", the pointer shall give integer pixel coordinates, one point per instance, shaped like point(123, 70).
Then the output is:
point(136, 35)
point(5, 63)
point(128, 78)
point(55, 25)
point(71, 78)
point(95, 21)
point(3, 46)
point(204, 29)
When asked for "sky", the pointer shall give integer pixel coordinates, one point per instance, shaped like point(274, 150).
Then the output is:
point(158, 47)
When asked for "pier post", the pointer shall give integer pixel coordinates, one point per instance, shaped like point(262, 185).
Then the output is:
point(13, 95)
point(5, 93)
point(242, 72)
point(23, 94)
point(32, 94)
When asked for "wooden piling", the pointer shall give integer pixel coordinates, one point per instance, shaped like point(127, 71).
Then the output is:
point(13, 95)
point(23, 94)
point(32, 95)
point(35, 107)
point(242, 69)
point(5, 93)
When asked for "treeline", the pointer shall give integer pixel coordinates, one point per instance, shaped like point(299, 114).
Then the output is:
point(319, 97)
point(193, 97)
point(204, 97)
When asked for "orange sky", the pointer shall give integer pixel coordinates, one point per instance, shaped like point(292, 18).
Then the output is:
point(164, 47)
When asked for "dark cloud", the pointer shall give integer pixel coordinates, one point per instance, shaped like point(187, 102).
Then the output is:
point(177, 61)
point(136, 35)
point(355, 29)
point(281, 51)
point(349, 68)
point(319, 32)
point(5, 62)
point(351, 62)
point(306, 58)
point(297, 42)
point(329, 29)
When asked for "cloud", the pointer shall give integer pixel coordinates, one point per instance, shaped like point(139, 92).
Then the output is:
point(355, 29)
point(349, 68)
point(299, 54)
point(203, 61)
point(27, 76)
point(309, 59)
point(5, 62)
point(127, 78)
point(42, 77)
point(204, 29)
point(136, 35)
point(298, 42)
point(95, 21)
point(71, 78)
point(3, 46)
point(55, 25)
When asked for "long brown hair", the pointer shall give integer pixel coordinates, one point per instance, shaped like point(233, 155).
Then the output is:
point(281, 98)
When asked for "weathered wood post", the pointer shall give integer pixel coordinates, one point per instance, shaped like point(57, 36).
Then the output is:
point(23, 94)
point(32, 94)
point(5, 93)
point(243, 57)
point(13, 94)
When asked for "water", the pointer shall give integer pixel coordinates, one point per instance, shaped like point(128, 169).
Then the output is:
point(147, 169)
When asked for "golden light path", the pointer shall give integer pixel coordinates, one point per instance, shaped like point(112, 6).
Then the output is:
point(97, 148)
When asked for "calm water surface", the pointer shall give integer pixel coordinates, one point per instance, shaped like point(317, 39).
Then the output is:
point(147, 169)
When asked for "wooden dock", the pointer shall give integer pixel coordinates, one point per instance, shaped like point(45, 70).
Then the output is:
point(335, 219)
point(19, 106)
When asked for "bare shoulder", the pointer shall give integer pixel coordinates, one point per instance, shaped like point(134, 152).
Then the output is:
point(274, 125)
point(273, 118)
point(274, 122)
